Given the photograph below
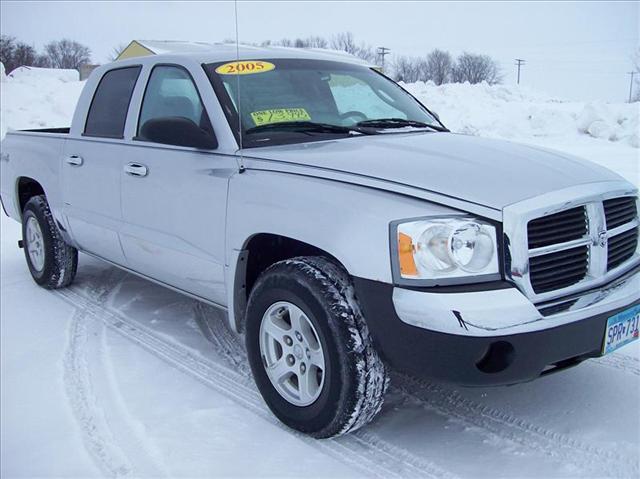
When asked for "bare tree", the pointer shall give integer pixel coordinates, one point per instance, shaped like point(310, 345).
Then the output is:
point(116, 51)
point(67, 54)
point(438, 67)
point(366, 53)
point(474, 68)
point(317, 42)
point(406, 69)
point(24, 55)
point(309, 42)
point(7, 52)
point(344, 42)
point(15, 54)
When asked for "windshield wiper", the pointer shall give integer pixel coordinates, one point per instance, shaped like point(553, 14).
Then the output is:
point(309, 127)
point(383, 123)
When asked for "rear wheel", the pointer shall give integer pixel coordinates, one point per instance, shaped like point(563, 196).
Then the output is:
point(52, 263)
point(310, 350)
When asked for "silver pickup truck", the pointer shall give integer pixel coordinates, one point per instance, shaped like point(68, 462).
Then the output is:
point(343, 228)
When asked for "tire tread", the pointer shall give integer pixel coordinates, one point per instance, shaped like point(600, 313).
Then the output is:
point(363, 402)
point(63, 269)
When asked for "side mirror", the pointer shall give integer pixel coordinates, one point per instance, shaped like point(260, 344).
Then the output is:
point(435, 114)
point(179, 131)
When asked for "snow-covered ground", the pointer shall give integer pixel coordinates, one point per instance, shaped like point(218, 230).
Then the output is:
point(114, 377)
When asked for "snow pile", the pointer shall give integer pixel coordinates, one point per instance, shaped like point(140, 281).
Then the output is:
point(521, 114)
point(38, 98)
point(42, 97)
point(610, 123)
point(35, 76)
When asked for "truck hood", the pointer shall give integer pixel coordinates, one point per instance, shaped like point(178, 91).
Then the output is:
point(491, 173)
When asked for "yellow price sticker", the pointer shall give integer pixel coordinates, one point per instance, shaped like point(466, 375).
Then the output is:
point(245, 67)
point(278, 115)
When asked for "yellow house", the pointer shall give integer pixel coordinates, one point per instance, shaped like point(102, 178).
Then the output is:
point(141, 48)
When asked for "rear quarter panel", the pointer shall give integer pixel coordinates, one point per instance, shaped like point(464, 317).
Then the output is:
point(32, 155)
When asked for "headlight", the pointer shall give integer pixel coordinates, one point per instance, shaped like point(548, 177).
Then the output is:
point(444, 250)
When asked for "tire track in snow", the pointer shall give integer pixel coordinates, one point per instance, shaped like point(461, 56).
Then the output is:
point(128, 432)
point(106, 444)
point(229, 344)
point(447, 402)
point(372, 458)
point(621, 362)
point(96, 436)
point(561, 447)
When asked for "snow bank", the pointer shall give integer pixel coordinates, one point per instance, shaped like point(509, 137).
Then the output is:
point(519, 113)
point(42, 97)
point(35, 75)
point(38, 98)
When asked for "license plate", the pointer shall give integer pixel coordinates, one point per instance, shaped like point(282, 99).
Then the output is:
point(621, 329)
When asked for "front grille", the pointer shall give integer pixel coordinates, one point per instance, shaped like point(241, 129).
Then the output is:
point(558, 270)
point(585, 245)
point(557, 228)
point(619, 211)
point(621, 247)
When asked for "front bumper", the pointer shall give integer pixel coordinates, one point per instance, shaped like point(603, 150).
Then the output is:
point(492, 337)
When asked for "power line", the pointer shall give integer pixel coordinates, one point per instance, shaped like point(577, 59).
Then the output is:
point(519, 63)
point(631, 85)
point(383, 51)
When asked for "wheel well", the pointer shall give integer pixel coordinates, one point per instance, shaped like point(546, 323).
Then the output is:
point(265, 249)
point(260, 252)
point(27, 189)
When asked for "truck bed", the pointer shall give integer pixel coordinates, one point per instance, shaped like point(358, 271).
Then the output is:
point(64, 130)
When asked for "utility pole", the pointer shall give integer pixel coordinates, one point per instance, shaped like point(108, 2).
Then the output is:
point(519, 63)
point(631, 85)
point(383, 51)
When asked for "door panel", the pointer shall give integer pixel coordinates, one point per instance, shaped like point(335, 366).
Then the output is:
point(174, 218)
point(92, 167)
point(174, 197)
point(91, 192)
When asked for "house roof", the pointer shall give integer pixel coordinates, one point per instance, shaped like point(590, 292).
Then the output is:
point(171, 46)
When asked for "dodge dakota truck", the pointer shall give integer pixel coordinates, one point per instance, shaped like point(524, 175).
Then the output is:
point(343, 228)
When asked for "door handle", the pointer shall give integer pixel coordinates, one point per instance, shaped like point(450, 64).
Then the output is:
point(136, 169)
point(75, 160)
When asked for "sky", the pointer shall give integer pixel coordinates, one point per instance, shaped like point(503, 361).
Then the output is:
point(573, 50)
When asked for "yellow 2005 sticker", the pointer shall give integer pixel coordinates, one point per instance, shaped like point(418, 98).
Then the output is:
point(245, 67)
point(278, 115)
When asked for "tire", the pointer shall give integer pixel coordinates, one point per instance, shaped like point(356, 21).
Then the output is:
point(354, 378)
point(52, 263)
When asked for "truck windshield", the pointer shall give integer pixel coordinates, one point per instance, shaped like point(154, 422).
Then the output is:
point(295, 100)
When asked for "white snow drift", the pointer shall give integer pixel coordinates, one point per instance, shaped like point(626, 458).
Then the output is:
point(519, 113)
point(38, 98)
point(41, 97)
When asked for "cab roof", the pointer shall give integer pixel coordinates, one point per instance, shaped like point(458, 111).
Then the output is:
point(221, 52)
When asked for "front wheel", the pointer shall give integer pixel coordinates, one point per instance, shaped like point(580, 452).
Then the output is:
point(310, 351)
point(52, 263)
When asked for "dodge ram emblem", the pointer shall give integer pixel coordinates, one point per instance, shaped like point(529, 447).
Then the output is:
point(602, 239)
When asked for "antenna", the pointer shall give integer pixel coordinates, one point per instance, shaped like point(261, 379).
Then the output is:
point(240, 157)
point(519, 63)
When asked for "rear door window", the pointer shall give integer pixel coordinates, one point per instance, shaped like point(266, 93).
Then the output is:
point(108, 111)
